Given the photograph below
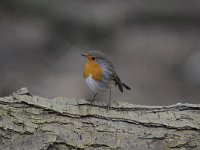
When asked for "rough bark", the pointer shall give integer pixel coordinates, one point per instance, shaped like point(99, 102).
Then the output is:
point(34, 123)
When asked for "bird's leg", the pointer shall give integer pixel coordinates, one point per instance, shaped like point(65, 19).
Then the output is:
point(92, 100)
point(109, 101)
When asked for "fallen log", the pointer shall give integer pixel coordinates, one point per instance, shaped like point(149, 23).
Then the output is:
point(34, 123)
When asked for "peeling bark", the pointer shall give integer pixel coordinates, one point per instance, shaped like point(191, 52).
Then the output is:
point(34, 123)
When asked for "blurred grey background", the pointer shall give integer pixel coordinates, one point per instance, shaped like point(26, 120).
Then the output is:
point(154, 46)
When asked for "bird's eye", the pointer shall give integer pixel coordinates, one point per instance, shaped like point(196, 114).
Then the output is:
point(93, 58)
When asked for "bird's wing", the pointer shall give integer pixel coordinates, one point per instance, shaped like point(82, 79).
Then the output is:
point(117, 81)
point(112, 73)
point(108, 68)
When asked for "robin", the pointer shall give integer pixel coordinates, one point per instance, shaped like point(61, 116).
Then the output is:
point(100, 75)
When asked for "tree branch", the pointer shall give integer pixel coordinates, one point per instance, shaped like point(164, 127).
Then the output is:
point(36, 123)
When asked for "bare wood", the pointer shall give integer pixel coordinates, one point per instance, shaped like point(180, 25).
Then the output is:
point(34, 123)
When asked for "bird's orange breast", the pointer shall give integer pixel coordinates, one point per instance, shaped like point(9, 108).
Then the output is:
point(94, 69)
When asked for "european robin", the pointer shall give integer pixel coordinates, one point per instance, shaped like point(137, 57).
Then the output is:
point(100, 75)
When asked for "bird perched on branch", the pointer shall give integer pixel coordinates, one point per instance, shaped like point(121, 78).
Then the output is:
point(100, 75)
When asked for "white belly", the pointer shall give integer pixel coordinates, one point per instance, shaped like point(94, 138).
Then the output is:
point(98, 86)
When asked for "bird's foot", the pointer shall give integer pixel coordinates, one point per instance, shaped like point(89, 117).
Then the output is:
point(91, 101)
point(108, 106)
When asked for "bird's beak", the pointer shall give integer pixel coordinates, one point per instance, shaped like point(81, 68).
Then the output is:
point(84, 54)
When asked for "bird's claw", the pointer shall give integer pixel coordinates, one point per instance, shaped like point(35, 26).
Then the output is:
point(108, 106)
point(91, 101)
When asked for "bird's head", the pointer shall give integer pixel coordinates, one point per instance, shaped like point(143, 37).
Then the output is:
point(94, 56)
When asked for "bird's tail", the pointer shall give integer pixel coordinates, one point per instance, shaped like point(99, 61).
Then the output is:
point(119, 83)
point(120, 86)
point(126, 86)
